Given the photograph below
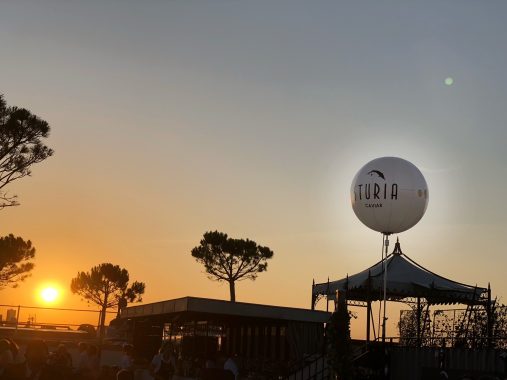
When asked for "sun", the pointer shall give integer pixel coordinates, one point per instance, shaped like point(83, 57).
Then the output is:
point(49, 294)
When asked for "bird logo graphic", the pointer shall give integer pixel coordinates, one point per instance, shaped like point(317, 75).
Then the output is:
point(377, 173)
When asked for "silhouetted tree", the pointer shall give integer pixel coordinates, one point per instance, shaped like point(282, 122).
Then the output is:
point(15, 256)
point(132, 294)
point(107, 286)
point(471, 328)
point(459, 327)
point(409, 325)
point(338, 341)
point(231, 260)
point(21, 146)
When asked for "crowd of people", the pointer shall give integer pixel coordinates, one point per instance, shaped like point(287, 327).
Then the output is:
point(37, 362)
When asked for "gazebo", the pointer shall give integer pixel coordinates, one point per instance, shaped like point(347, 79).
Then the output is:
point(407, 282)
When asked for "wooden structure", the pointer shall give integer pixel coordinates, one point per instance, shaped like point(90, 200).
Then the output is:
point(203, 328)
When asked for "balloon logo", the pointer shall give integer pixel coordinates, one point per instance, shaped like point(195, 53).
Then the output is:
point(389, 195)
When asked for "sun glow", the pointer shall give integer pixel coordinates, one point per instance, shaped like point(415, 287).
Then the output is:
point(49, 294)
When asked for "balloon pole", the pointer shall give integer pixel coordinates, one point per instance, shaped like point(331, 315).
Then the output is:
point(384, 319)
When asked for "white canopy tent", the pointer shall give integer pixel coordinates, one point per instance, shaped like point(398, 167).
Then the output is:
point(407, 281)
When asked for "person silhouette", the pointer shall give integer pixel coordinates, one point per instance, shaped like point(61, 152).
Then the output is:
point(35, 365)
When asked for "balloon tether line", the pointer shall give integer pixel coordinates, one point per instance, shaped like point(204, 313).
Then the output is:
point(380, 290)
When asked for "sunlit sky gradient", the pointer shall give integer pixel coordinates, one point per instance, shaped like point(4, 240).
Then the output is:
point(171, 118)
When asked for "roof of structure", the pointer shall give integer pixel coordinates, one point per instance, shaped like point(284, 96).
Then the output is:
point(225, 308)
point(405, 279)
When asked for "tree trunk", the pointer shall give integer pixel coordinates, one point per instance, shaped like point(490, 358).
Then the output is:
point(101, 329)
point(102, 323)
point(233, 291)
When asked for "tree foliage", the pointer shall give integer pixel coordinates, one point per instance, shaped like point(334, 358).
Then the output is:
point(21, 146)
point(107, 286)
point(133, 293)
point(338, 341)
point(456, 327)
point(15, 256)
point(471, 328)
point(231, 260)
point(409, 326)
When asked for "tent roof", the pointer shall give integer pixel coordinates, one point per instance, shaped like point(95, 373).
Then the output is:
point(405, 278)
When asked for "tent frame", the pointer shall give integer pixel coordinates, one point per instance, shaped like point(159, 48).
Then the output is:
point(364, 295)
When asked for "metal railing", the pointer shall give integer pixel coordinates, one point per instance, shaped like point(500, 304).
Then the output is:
point(53, 318)
point(316, 369)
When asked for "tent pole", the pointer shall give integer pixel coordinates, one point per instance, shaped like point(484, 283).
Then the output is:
point(418, 316)
point(490, 318)
point(313, 295)
point(368, 312)
point(379, 323)
point(373, 323)
point(327, 298)
point(368, 309)
point(384, 319)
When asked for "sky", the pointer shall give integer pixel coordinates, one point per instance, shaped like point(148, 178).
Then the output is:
point(173, 118)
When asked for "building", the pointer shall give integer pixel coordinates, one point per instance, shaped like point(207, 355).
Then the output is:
point(262, 336)
point(11, 316)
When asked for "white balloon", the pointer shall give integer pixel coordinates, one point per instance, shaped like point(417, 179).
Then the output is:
point(389, 195)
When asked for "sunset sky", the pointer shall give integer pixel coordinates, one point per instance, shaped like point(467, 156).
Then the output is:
point(172, 118)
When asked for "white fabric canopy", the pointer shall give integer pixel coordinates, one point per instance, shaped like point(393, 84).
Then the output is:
point(405, 278)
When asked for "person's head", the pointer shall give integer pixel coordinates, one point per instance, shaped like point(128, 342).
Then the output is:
point(4, 345)
point(14, 347)
point(36, 352)
point(6, 356)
